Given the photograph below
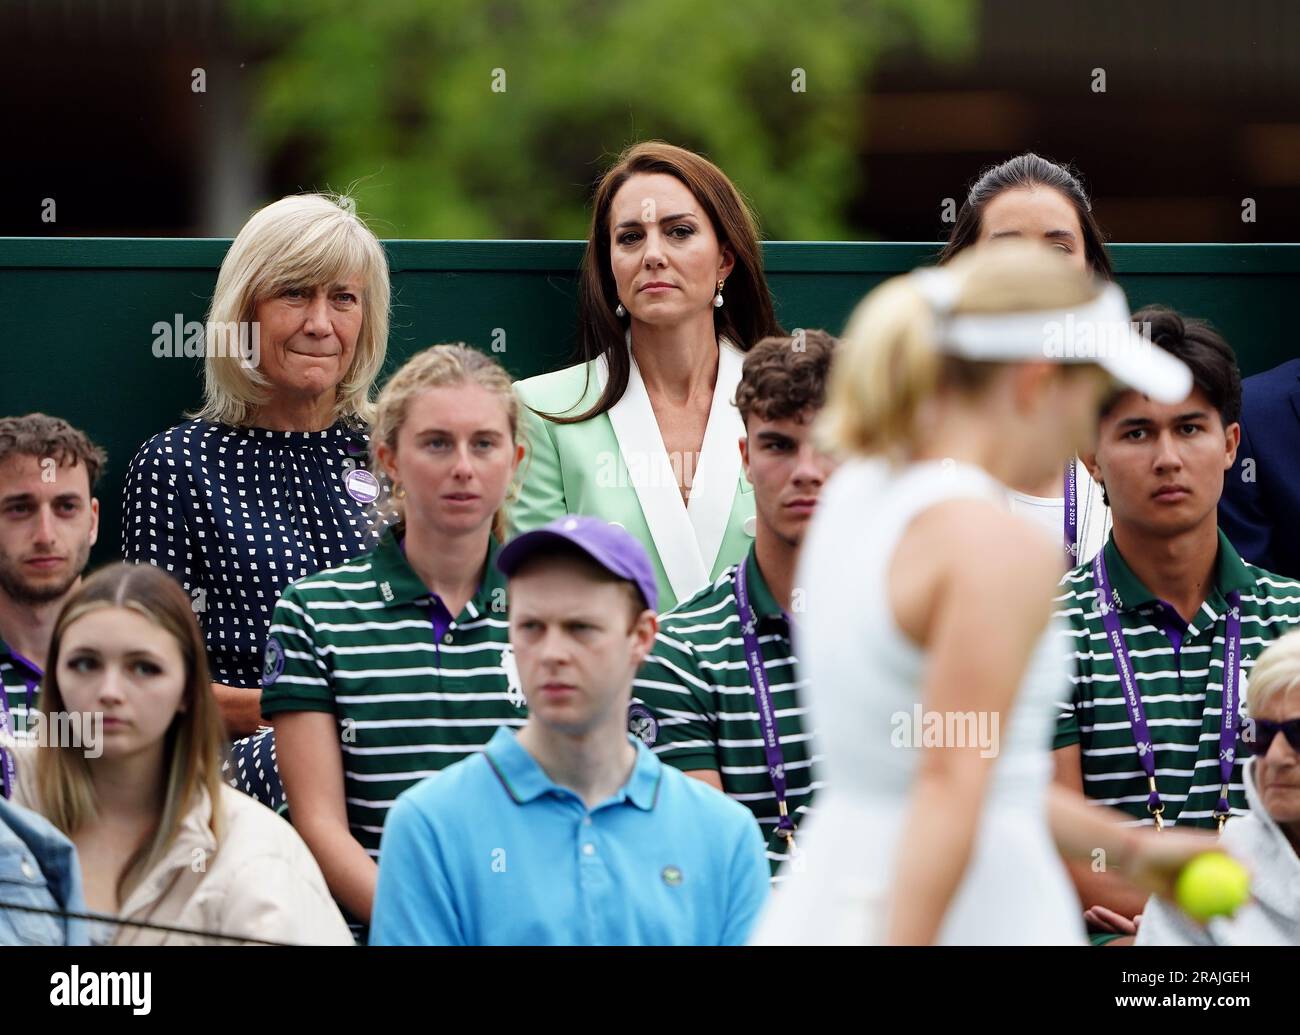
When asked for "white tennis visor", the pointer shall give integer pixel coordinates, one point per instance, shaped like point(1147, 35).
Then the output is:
point(1100, 331)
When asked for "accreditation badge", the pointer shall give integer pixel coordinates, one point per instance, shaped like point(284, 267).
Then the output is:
point(361, 485)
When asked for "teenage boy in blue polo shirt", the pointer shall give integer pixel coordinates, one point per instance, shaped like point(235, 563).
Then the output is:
point(571, 832)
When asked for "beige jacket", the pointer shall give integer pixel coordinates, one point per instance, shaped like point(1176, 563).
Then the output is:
point(261, 882)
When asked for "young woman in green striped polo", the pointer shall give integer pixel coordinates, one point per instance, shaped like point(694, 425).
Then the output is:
point(395, 665)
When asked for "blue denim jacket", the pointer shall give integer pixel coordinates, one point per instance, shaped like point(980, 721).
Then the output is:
point(38, 867)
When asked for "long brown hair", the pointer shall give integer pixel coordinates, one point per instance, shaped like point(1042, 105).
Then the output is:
point(194, 741)
point(748, 315)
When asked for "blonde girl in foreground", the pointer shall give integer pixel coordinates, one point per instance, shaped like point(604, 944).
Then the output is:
point(934, 668)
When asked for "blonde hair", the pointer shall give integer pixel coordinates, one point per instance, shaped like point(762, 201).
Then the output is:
point(438, 366)
point(194, 742)
point(1275, 671)
point(888, 367)
point(305, 240)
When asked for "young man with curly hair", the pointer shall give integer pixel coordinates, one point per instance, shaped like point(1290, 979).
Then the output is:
point(719, 695)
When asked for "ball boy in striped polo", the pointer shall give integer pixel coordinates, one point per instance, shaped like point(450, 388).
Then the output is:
point(719, 695)
point(49, 520)
point(1167, 620)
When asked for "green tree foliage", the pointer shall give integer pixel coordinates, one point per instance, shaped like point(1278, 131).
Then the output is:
point(494, 118)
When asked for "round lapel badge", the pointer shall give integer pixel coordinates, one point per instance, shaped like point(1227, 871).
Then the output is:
point(672, 876)
point(361, 485)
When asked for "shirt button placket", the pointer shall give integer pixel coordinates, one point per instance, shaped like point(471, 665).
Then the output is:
point(588, 861)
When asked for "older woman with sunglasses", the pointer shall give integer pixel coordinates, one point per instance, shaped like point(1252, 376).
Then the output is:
point(1267, 839)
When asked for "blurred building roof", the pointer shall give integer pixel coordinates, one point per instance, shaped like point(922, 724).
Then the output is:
point(1201, 110)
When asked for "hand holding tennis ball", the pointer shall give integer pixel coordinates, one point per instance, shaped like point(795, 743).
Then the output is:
point(1213, 884)
point(1187, 867)
point(1155, 859)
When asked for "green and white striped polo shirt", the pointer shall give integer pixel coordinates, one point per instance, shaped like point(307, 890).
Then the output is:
point(358, 641)
point(21, 681)
point(1179, 673)
point(704, 714)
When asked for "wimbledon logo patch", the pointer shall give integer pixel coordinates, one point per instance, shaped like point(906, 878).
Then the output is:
point(272, 661)
point(642, 724)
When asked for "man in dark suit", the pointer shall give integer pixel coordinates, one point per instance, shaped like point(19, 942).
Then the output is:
point(1260, 507)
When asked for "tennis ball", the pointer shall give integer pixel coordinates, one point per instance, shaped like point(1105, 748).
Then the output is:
point(1212, 884)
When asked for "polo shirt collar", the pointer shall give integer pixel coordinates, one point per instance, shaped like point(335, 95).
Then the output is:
point(1230, 573)
point(760, 596)
point(397, 584)
point(19, 662)
point(524, 780)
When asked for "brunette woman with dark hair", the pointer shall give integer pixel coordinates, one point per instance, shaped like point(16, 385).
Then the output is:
point(1030, 196)
point(1033, 198)
point(643, 432)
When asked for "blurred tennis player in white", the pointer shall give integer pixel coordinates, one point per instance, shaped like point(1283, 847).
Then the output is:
point(932, 665)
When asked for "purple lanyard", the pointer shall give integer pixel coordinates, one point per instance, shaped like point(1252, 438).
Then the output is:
point(6, 757)
point(766, 713)
point(7, 769)
point(1071, 514)
point(1133, 700)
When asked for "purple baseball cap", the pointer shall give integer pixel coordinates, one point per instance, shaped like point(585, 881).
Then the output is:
point(610, 546)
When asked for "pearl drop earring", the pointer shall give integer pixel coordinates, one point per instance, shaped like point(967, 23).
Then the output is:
point(717, 299)
point(619, 310)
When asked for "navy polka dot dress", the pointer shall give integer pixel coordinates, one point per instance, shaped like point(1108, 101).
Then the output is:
point(236, 514)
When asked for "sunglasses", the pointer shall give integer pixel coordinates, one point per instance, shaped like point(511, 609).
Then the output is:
point(1265, 731)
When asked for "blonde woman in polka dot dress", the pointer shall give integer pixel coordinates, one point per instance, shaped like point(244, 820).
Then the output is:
point(268, 482)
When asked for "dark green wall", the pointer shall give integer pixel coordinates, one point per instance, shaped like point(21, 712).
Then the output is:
point(78, 314)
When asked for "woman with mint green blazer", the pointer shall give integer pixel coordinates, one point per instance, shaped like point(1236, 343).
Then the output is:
point(668, 232)
point(614, 466)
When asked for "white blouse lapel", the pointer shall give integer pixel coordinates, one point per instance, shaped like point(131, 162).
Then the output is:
point(713, 489)
point(642, 447)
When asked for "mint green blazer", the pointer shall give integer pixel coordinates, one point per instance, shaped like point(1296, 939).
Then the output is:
point(615, 467)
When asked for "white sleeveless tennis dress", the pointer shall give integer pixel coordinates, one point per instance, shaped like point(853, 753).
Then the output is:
point(864, 678)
